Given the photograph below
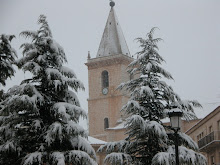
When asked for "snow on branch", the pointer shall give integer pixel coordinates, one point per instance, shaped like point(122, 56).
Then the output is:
point(186, 156)
point(31, 66)
point(136, 122)
point(44, 29)
point(25, 100)
point(71, 98)
point(8, 146)
point(188, 141)
point(30, 55)
point(188, 104)
point(82, 144)
point(27, 46)
point(80, 157)
point(61, 112)
point(189, 156)
point(53, 72)
point(131, 106)
point(25, 94)
point(74, 111)
point(162, 158)
point(71, 81)
point(74, 129)
point(29, 34)
point(113, 146)
point(67, 72)
point(146, 90)
point(58, 158)
point(54, 132)
point(74, 83)
point(32, 158)
point(163, 72)
point(129, 86)
point(156, 128)
point(118, 158)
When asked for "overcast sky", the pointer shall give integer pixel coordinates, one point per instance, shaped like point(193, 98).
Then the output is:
point(190, 30)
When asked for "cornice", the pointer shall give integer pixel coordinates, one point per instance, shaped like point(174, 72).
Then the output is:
point(108, 61)
point(107, 97)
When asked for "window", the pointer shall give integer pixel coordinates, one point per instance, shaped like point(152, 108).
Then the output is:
point(219, 125)
point(210, 129)
point(105, 81)
point(106, 124)
point(212, 160)
point(200, 136)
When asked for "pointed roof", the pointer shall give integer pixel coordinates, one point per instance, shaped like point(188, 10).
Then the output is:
point(113, 41)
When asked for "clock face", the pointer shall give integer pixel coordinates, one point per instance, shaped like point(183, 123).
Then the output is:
point(105, 91)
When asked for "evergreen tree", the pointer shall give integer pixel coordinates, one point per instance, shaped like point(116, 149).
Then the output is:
point(39, 118)
point(150, 101)
point(7, 58)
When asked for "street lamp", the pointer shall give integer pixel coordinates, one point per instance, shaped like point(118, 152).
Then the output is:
point(175, 119)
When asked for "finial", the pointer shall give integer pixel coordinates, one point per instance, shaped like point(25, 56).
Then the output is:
point(89, 55)
point(112, 3)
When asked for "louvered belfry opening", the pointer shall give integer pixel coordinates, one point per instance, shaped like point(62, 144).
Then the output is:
point(105, 79)
point(106, 124)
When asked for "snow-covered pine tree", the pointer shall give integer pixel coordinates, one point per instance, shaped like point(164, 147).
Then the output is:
point(150, 101)
point(39, 118)
point(7, 58)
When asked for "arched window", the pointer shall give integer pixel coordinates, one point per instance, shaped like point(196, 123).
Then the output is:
point(106, 124)
point(105, 81)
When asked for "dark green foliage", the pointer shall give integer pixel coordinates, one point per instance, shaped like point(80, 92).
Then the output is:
point(7, 58)
point(39, 118)
point(150, 101)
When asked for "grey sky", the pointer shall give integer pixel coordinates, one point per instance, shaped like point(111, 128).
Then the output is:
point(190, 30)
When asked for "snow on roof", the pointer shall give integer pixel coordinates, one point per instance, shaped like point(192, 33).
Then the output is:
point(113, 41)
point(119, 126)
point(93, 140)
point(175, 110)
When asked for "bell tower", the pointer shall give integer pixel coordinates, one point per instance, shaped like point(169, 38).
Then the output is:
point(105, 72)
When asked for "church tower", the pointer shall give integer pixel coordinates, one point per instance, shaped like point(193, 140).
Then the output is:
point(106, 71)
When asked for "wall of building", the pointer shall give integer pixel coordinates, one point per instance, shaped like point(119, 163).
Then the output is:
point(102, 106)
point(115, 135)
point(207, 134)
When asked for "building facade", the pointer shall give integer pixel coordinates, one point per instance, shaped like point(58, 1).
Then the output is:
point(105, 73)
point(207, 134)
point(108, 70)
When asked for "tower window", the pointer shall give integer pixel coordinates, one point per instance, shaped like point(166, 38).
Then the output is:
point(106, 124)
point(105, 81)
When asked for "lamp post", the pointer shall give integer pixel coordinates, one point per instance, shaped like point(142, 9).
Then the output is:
point(175, 120)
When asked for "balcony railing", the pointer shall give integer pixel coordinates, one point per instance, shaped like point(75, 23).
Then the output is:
point(213, 136)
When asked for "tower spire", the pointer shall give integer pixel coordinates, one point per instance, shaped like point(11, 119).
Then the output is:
point(113, 41)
